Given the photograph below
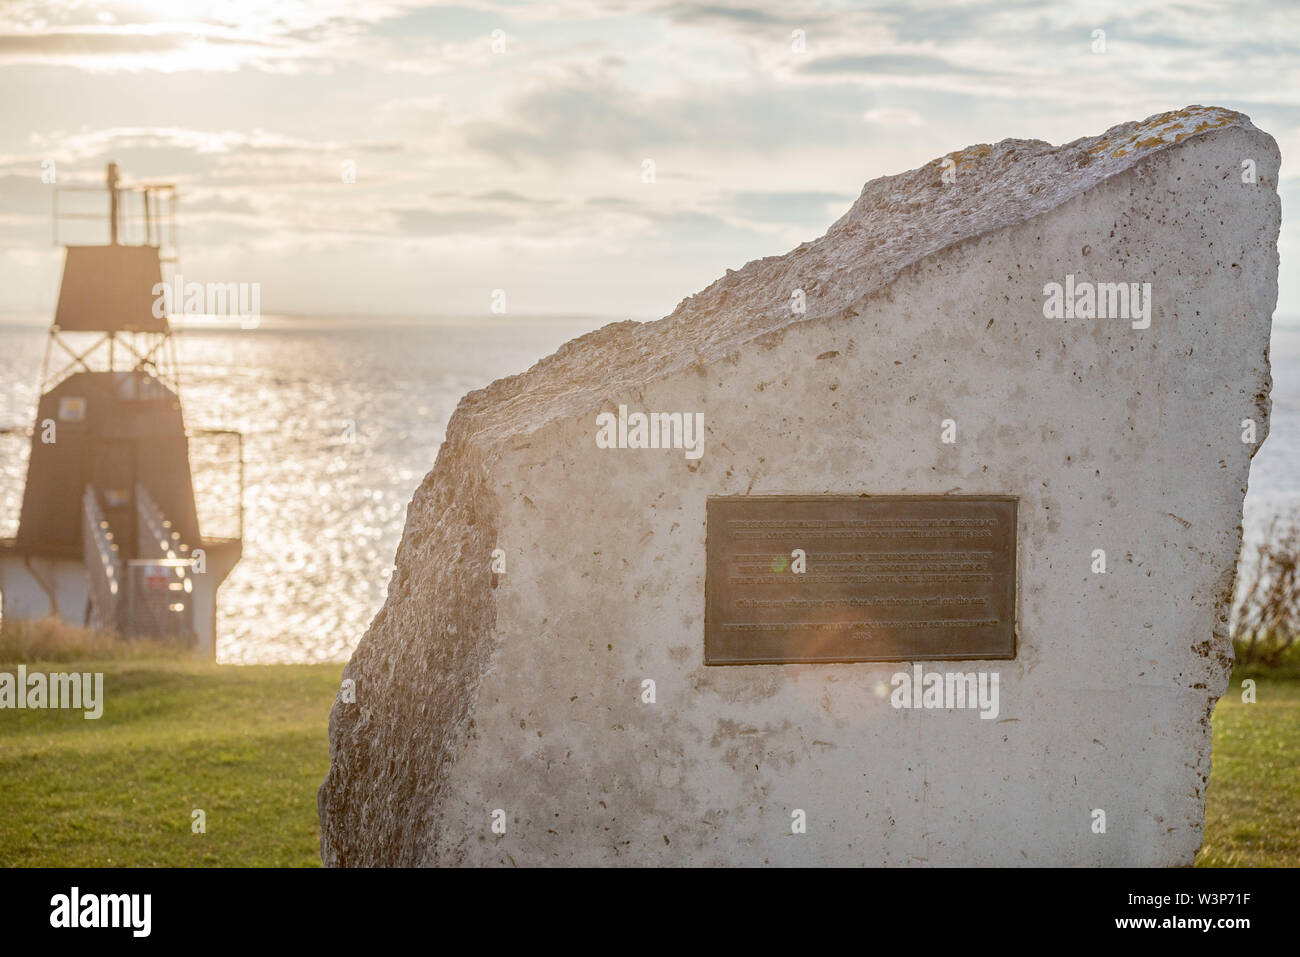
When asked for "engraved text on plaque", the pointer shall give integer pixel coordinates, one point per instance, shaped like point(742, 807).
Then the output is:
point(855, 578)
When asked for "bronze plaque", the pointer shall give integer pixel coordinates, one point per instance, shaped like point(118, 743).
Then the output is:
point(880, 578)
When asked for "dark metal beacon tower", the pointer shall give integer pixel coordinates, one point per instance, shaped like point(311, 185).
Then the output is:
point(109, 534)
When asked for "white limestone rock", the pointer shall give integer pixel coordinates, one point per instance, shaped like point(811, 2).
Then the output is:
point(521, 692)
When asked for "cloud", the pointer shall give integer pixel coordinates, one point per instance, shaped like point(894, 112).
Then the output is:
point(591, 114)
point(513, 198)
point(790, 207)
point(889, 64)
point(428, 222)
point(746, 15)
point(51, 45)
point(162, 47)
point(890, 116)
point(221, 36)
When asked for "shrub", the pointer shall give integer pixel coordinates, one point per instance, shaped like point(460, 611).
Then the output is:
point(50, 639)
point(1266, 618)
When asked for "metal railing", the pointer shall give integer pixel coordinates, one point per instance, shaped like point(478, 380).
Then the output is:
point(160, 588)
point(146, 216)
point(103, 564)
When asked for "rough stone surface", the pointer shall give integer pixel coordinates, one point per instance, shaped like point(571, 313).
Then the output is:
point(521, 691)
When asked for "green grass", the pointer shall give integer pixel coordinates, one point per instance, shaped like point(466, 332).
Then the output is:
point(1252, 809)
point(247, 745)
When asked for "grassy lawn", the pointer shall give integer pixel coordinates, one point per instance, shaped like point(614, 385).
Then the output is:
point(1252, 812)
point(248, 745)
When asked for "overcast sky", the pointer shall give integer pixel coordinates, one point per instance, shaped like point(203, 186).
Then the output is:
point(522, 169)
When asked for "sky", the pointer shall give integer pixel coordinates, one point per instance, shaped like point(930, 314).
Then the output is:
point(506, 145)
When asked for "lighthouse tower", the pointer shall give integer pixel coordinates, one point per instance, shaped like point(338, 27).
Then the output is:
point(109, 534)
